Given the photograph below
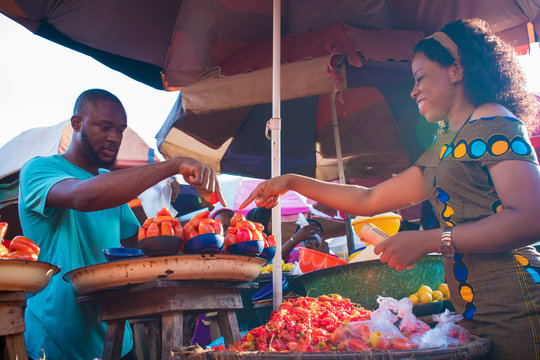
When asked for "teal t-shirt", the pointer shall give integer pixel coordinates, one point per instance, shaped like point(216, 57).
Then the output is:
point(71, 239)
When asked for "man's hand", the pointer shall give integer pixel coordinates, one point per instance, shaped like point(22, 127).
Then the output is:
point(201, 177)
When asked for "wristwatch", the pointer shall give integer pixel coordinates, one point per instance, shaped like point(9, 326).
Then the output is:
point(447, 246)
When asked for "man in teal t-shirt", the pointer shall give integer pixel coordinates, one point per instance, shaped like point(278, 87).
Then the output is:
point(72, 207)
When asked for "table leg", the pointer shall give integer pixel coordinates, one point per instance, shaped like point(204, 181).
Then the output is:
point(15, 347)
point(228, 324)
point(172, 328)
point(113, 339)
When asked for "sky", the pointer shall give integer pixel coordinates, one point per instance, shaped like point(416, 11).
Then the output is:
point(40, 80)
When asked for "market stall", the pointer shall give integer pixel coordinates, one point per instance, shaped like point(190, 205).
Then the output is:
point(22, 274)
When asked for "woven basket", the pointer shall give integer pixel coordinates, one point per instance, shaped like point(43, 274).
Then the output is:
point(477, 348)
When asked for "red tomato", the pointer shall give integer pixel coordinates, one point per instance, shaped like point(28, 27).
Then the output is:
point(178, 231)
point(271, 240)
point(189, 233)
point(232, 230)
point(142, 233)
point(218, 227)
point(153, 230)
point(206, 226)
point(238, 216)
point(257, 235)
point(230, 239)
point(147, 222)
point(259, 226)
point(163, 212)
point(246, 224)
point(243, 235)
point(196, 219)
point(167, 229)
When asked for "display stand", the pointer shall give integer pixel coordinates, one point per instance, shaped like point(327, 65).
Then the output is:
point(12, 325)
point(167, 300)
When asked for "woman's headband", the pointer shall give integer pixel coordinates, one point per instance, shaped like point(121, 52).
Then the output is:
point(447, 43)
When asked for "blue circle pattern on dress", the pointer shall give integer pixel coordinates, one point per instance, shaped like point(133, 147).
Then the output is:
point(496, 145)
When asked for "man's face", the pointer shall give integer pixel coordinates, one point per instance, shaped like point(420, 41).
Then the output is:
point(103, 124)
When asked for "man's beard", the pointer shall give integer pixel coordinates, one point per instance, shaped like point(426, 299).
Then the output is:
point(93, 154)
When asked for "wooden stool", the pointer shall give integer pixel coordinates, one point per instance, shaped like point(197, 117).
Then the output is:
point(167, 300)
point(12, 325)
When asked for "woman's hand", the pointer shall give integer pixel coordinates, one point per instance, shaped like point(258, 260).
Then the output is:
point(267, 193)
point(403, 250)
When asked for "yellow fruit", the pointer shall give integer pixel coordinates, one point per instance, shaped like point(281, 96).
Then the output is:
point(424, 288)
point(414, 299)
point(437, 295)
point(445, 291)
point(425, 298)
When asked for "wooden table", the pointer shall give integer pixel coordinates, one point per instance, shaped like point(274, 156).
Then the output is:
point(12, 325)
point(167, 300)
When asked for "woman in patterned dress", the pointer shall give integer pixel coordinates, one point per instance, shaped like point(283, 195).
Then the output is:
point(482, 177)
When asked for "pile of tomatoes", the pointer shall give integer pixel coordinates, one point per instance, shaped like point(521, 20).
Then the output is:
point(162, 224)
point(18, 248)
point(245, 230)
point(302, 324)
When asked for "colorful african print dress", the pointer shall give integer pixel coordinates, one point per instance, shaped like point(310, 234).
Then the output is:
point(498, 294)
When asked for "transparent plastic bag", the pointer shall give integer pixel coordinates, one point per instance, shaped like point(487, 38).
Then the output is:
point(158, 197)
point(445, 333)
point(409, 324)
point(380, 332)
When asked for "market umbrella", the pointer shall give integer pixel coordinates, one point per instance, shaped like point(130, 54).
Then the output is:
point(168, 44)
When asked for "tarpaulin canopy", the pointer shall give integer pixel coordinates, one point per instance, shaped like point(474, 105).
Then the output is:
point(220, 119)
point(55, 139)
point(170, 43)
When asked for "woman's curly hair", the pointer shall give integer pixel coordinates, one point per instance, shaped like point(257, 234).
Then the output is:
point(492, 73)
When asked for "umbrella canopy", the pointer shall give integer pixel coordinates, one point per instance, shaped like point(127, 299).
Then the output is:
point(168, 44)
point(220, 120)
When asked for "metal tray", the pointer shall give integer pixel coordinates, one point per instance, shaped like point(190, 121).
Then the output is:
point(25, 275)
point(108, 275)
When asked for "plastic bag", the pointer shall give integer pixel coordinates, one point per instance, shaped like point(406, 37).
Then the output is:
point(380, 332)
point(409, 324)
point(302, 221)
point(445, 333)
point(158, 197)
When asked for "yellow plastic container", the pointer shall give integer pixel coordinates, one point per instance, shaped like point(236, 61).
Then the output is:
point(386, 222)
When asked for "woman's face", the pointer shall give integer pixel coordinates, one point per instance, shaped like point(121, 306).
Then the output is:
point(433, 88)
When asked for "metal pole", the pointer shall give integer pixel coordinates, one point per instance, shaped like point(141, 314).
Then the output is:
point(275, 126)
point(341, 170)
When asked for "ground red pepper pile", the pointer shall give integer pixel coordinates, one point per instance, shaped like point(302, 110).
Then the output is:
point(301, 324)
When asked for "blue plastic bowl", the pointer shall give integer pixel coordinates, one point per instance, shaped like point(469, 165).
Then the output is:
point(248, 248)
point(113, 254)
point(163, 245)
point(268, 253)
point(266, 292)
point(204, 244)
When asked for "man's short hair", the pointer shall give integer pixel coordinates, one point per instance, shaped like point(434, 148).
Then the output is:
point(89, 96)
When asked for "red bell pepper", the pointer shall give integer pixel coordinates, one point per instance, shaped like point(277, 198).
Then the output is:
point(25, 244)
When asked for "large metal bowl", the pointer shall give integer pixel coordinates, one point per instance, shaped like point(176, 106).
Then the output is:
point(114, 274)
point(362, 282)
point(24, 275)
